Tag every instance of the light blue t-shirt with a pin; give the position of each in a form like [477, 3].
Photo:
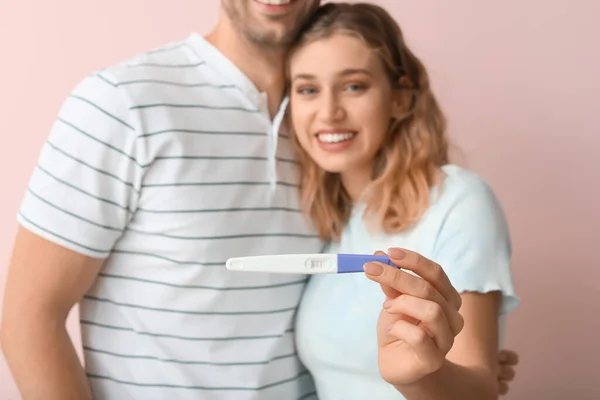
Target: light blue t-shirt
[464, 230]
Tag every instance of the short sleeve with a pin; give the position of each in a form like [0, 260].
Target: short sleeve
[474, 246]
[86, 183]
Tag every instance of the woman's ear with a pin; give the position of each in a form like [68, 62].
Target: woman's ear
[402, 98]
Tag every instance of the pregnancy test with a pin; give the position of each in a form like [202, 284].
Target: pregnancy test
[305, 263]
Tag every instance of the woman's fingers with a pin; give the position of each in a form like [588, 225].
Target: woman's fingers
[428, 270]
[431, 315]
[408, 284]
[422, 344]
[389, 292]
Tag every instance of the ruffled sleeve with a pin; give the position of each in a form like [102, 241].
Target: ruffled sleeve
[474, 248]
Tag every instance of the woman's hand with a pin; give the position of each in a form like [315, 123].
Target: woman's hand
[420, 319]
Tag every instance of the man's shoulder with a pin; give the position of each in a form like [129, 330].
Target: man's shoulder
[160, 75]
[175, 63]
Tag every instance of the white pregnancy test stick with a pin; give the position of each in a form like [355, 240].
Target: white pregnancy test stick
[305, 263]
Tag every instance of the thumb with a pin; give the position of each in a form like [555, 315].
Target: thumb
[390, 293]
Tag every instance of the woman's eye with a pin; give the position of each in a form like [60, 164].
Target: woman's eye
[354, 87]
[306, 91]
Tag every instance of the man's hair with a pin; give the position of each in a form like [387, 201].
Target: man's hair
[414, 148]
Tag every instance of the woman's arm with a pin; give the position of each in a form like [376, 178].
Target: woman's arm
[427, 348]
[470, 369]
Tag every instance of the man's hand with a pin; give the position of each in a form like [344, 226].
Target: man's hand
[507, 360]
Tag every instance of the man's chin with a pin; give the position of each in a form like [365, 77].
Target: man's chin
[273, 38]
[289, 23]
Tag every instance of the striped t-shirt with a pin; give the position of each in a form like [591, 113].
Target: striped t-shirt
[167, 165]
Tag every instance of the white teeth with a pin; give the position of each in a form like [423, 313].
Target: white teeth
[334, 137]
[275, 2]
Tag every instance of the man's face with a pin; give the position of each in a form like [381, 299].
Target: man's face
[269, 23]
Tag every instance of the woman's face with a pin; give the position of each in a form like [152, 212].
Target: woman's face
[341, 103]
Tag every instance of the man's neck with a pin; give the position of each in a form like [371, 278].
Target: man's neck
[263, 66]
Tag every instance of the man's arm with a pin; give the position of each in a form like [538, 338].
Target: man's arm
[44, 282]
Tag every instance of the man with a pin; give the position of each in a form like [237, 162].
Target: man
[156, 171]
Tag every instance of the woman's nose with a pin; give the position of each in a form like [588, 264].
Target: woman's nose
[331, 108]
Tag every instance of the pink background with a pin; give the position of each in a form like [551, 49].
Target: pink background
[518, 79]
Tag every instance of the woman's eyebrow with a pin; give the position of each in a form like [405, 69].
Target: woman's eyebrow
[303, 76]
[345, 72]
[352, 71]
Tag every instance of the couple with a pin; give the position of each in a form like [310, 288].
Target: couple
[159, 169]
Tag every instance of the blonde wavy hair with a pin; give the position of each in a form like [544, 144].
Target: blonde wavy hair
[413, 151]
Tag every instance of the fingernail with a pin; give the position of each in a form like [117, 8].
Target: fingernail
[373, 269]
[396, 253]
[387, 304]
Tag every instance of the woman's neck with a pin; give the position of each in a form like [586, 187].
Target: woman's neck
[355, 182]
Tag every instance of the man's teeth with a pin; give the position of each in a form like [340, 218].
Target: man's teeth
[275, 2]
[334, 137]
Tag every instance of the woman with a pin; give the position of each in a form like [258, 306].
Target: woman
[375, 174]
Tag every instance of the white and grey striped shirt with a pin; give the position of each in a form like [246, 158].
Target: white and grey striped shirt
[167, 165]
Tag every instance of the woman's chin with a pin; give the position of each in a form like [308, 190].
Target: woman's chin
[332, 168]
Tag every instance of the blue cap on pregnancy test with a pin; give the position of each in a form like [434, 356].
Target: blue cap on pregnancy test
[305, 263]
[355, 262]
